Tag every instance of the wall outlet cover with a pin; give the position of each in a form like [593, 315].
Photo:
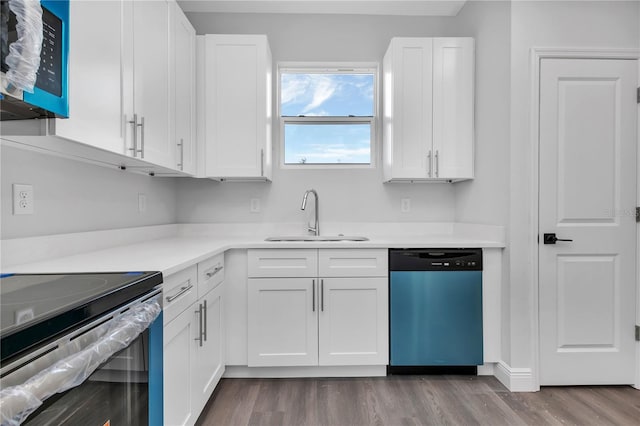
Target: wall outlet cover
[255, 205]
[22, 199]
[142, 203]
[405, 205]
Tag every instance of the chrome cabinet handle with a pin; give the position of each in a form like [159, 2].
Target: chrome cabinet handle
[262, 162]
[183, 290]
[134, 128]
[141, 125]
[215, 271]
[200, 315]
[437, 164]
[322, 295]
[313, 295]
[429, 161]
[204, 308]
[181, 163]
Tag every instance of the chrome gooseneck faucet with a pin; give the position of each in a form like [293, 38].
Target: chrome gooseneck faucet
[315, 229]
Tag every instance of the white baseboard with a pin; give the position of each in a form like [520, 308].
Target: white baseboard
[242, 371]
[487, 369]
[515, 379]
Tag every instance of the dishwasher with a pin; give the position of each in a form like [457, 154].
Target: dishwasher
[435, 311]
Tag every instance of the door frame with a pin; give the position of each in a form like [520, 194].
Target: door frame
[536, 56]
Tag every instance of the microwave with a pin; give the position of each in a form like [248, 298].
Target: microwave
[50, 93]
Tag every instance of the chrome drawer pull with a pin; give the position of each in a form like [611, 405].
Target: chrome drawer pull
[215, 271]
[182, 291]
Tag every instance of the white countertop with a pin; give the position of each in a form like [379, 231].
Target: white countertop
[170, 254]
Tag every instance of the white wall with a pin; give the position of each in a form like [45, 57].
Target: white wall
[73, 197]
[346, 195]
[546, 24]
[486, 198]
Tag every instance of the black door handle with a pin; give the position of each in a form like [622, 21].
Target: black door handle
[551, 239]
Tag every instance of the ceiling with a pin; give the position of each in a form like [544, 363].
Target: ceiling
[349, 7]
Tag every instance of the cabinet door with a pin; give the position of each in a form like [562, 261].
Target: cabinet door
[184, 77]
[453, 130]
[179, 369]
[238, 106]
[210, 365]
[283, 322]
[96, 116]
[152, 99]
[354, 324]
[408, 108]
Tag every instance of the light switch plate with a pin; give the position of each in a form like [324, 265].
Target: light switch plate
[22, 199]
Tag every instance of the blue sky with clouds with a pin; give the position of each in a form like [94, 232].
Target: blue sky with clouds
[336, 95]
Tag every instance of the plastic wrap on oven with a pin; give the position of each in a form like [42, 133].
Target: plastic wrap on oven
[18, 402]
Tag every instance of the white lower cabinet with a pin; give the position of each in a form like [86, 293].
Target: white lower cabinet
[193, 339]
[209, 353]
[180, 369]
[327, 320]
[353, 321]
[283, 322]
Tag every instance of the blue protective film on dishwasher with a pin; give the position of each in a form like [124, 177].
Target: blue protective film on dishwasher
[436, 318]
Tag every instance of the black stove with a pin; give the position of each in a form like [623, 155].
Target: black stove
[36, 308]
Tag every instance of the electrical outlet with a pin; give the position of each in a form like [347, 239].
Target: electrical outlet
[22, 199]
[255, 205]
[405, 205]
[142, 203]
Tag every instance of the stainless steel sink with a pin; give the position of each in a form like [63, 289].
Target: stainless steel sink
[317, 238]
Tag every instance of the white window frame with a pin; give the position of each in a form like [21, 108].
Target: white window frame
[333, 68]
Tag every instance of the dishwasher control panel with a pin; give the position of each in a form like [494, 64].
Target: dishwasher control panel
[458, 259]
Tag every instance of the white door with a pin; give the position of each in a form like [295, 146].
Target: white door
[152, 88]
[184, 77]
[95, 94]
[587, 195]
[283, 322]
[409, 108]
[354, 323]
[211, 353]
[453, 74]
[237, 86]
[179, 369]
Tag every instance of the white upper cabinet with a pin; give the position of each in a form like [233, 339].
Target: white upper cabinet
[184, 90]
[235, 128]
[148, 106]
[428, 98]
[453, 87]
[95, 88]
[121, 76]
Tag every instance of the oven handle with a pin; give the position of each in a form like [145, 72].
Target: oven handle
[18, 402]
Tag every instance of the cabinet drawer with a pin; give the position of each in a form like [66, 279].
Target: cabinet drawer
[282, 263]
[353, 263]
[210, 274]
[179, 291]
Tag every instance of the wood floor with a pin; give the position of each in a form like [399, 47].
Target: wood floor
[415, 400]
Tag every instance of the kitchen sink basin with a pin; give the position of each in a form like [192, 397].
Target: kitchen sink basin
[317, 238]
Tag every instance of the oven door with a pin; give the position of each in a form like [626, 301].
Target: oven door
[106, 373]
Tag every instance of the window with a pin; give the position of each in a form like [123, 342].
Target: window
[327, 115]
